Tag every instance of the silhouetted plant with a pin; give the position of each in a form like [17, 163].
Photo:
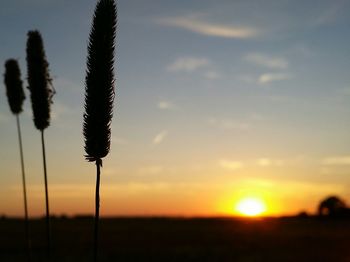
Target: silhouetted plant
[41, 92]
[99, 93]
[13, 83]
[332, 206]
[15, 97]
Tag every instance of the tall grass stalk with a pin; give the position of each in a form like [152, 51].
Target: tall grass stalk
[41, 92]
[15, 96]
[47, 209]
[99, 93]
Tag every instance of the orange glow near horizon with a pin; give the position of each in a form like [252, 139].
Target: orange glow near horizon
[251, 207]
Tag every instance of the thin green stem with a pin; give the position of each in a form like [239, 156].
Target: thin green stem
[26, 221]
[48, 229]
[97, 207]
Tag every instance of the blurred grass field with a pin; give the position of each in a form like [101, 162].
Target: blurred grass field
[182, 239]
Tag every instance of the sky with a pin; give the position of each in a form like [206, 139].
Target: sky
[216, 101]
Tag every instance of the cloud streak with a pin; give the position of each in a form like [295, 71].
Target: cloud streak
[150, 170]
[198, 26]
[267, 162]
[212, 75]
[337, 160]
[159, 138]
[230, 165]
[272, 77]
[119, 140]
[166, 105]
[263, 60]
[188, 64]
[228, 124]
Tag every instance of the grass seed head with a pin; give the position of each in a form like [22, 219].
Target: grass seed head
[14, 87]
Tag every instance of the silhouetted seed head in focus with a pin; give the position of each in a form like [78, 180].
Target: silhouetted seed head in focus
[13, 84]
[99, 82]
[39, 81]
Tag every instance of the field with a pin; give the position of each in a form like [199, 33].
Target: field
[181, 239]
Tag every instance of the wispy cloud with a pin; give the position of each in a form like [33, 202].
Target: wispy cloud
[246, 78]
[188, 64]
[263, 79]
[272, 77]
[111, 171]
[264, 162]
[212, 75]
[119, 140]
[230, 165]
[70, 191]
[337, 160]
[264, 60]
[166, 105]
[62, 83]
[328, 15]
[267, 162]
[228, 124]
[196, 25]
[150, 170]
[60, 110]
[159, 138]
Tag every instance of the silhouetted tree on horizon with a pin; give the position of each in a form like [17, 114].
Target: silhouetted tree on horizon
[332, 206]
[15, 97]
[99, 93]
[41, 92]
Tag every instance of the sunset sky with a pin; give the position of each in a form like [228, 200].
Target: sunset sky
[216, 101]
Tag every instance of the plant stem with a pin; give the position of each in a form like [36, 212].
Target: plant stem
[26, 221]
[97, 207]
[48, 235]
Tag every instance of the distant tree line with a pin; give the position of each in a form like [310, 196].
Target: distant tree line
[333, 206]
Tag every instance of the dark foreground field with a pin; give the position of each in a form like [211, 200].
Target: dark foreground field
[161, 239]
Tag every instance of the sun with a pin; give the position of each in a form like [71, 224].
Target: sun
[251, 206]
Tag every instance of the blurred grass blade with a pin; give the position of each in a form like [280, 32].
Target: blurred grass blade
[41, 92]
[15, 97]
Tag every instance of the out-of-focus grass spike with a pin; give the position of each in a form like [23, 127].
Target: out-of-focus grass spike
[39, 81]
[15, 97]
[41, 93]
